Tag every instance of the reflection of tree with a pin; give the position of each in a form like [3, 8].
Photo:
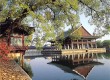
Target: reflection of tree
[26, 67]
[106, 55]
[28, 70]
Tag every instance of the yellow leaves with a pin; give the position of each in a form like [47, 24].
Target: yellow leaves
[73, 4]
[48, 15]
[32, 13]
[40, 18]
[24, 6]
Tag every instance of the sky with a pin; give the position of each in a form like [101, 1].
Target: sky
[90, 28]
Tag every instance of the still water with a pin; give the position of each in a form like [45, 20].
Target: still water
[43, 69]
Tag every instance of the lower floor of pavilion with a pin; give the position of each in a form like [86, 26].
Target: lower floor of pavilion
[79, 44]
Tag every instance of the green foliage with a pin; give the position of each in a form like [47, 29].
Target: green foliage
[27, 69]
[58, 45]
[106, 56]
[106, 43]
[28, 39]
[99, 44]
[55, 14]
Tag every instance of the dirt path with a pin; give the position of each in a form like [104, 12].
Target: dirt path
[10, 70]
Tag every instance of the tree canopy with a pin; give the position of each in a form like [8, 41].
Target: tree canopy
[50, 16]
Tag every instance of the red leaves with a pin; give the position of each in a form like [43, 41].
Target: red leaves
[4, 50]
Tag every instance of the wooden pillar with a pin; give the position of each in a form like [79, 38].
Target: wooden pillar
[78, 58]
[82, 43]
[77, 45]
[91, 44]
[87, 44]
[68, 46]
[73, 59]
[23, 40]
[83, 57]
[21, 59]
[92, 56]
[71, 44]
[88, 57]
[95, 44]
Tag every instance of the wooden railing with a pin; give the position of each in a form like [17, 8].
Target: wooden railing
[15, 48]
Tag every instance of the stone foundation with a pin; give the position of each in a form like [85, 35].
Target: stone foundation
[10, 70]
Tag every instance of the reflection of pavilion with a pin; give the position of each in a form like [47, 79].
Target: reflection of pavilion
[81, 70]
[77, 63]
[76, 58]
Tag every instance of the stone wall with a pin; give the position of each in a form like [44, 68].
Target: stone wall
[10, 70]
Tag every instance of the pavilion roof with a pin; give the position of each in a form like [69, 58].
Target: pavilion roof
[80, 31]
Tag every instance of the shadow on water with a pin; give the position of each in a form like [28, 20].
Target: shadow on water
[28, 70]
[29, 57]
[26, 67]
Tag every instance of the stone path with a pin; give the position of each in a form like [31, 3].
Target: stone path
[10, 70]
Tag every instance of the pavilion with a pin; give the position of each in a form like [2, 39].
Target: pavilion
[14, 37]
[79, 38]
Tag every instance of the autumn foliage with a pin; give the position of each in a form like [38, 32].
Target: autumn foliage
[4, 50]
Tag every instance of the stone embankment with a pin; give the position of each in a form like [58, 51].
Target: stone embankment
[10, 70]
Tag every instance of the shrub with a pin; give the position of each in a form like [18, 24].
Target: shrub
[4, 50]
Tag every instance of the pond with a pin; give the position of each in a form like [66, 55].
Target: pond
[44, 69]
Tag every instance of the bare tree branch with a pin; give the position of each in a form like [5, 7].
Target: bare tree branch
[89, 7]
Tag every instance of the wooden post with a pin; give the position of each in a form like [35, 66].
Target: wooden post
[78, 58]
[22, 60]
[83, 57]
[77, 45]
[92, 56]
[87, 44]
[73, 59]
[71, 44]
[82, 43]
[68, 46]
[95, 44]
[88, 57]
[23, 40]
[91, 44]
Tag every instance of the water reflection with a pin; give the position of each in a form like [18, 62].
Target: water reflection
[47, 69]
[80, 66]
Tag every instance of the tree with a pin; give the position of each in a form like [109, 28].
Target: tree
[4, 50]
[54, 13]
[99, 44]
[106, 44]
